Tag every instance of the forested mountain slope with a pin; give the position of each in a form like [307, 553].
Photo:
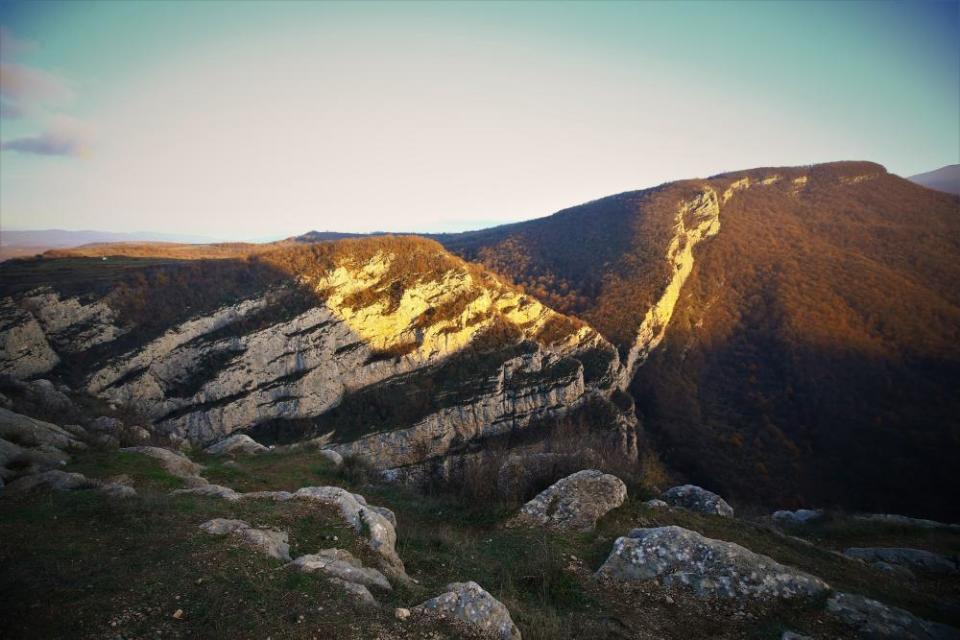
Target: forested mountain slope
[812, 354]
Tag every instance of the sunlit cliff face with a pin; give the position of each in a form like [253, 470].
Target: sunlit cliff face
[435, 317]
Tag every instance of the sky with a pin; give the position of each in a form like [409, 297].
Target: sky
[249, 120]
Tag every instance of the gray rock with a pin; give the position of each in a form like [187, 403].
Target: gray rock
[360, 593]
[270, 542]
[28, 432]
[656, 503]
[56, 480]
[697, 499]
[904, 521]
[339, 563]
[24, 350]
[574, 503]
[469, 602]
[793, 635]
[106, 424]
[210, 490]
[175, 463]
[238, 443]
[44, 393]
[379, 530]
[912, 559]
[711, 568]
[138, 434]
[800, 516]
[331, 456]
[278, 496]
[876, 621]
[894, 571]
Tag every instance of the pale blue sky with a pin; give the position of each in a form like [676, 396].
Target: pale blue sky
[252, 119]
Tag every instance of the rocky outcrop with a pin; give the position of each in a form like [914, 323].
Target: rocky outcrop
[876, 621]
[175, 463]
[574, 503]
[912, 559]
[697, 499]
[29, 446]
[236, 444]
[24, 350]
[340, 563]
[270, 542]
[370, 523]
[471, 603]
[63, 481]
[800, 516]
[710, 568]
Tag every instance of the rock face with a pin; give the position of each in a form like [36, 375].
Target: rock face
[876, 621]
[711, 568]
[237, 443]
[696, 499]
[912, 559]
[469, 602]
[574, 503]
[372, 323]
[268, 541]
[29, 446]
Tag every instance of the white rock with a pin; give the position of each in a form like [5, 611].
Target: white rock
[471, 603]
[175, 463]
[339, 563]
[237, 443]
[574, 503]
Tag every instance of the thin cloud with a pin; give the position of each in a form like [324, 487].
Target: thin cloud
[10, 45]
[9, 111]
[26, 86]
[65, 137]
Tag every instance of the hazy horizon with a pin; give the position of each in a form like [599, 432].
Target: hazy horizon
[259, 120]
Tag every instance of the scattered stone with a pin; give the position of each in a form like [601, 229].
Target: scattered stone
[339, 563]
[679, 557]
[469, 602]
[104, 424]
[238, 443]
[800, 516]
[137, 434]
[656, 503]
[175, 463]
[46, 395]
[56, 480]
[793, 635]
[178, 614]
[911, 559]
[877, 621]
[401, 613]
[697, 499]
[331, 456]
[574, 503]
[279, 496]
[271, 542]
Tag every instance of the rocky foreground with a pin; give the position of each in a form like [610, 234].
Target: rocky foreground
[107, 534]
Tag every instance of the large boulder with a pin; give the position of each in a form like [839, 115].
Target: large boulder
[270, 542]
[913, 559]
[471, 603]
[711, 568]
[877, 621]
[574, 503]
[340, 563]
[238, 443]
[695, 498]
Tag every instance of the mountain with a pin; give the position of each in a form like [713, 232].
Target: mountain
[788, 336]
[389, 348]
[945, 179]
[22, 243]
[792, 333]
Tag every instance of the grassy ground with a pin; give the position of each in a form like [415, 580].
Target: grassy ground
[82, 565]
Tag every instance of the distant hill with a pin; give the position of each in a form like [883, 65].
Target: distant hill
[945, 179]
[20, 243]
[809, 355]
